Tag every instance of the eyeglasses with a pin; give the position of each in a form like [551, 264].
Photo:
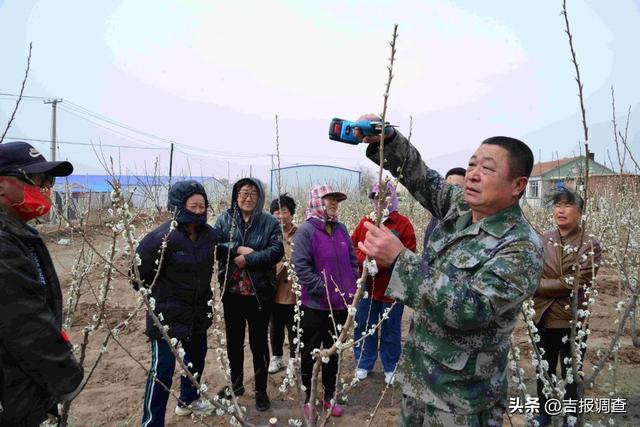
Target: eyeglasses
[37, 179]
[247, 194]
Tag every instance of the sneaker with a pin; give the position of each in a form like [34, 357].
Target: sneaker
[361, 373]
[275, 364]
[336, 410]
[543, 420]
[225, 392]
[262, 401]
[389, 378]
[197, 407]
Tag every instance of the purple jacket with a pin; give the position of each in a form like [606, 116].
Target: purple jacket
[318, 255]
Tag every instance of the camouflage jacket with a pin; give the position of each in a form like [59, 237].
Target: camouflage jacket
[466, 292]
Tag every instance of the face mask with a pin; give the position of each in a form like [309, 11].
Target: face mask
[184, 216]
[35, 204]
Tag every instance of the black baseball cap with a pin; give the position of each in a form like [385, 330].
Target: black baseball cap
[20, 157]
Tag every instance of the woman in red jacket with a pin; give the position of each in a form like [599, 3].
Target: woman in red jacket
[376, 305]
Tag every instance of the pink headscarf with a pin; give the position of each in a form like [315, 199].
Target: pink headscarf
[316, 207]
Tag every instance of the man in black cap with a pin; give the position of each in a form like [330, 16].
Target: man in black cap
[38, 369]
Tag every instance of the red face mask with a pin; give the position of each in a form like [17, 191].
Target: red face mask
[35, 203]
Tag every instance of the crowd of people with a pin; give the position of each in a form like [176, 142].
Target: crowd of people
[481, 260]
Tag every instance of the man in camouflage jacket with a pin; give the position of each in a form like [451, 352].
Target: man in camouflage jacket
[482, 261]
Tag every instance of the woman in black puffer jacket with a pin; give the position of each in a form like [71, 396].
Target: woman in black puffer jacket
[181, 294]
[250, 248]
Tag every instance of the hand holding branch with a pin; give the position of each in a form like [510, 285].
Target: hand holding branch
[240, 261]
[244, 250]
[374, 139]
[381, 244]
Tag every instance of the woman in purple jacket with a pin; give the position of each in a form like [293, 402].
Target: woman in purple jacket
[327, 269]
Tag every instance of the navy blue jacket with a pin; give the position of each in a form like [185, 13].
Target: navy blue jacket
[183, 287]
[262, 234]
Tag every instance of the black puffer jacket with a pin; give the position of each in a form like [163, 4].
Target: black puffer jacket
[262, 234]
[37, 366]
[182, 290]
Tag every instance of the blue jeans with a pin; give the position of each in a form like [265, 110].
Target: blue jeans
[390, 332]
[163, 365]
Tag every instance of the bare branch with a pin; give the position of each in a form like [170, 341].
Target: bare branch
[575, 349]
[615, 131]
[24, 82]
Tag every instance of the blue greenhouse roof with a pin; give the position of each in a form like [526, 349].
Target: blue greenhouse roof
[100, 183]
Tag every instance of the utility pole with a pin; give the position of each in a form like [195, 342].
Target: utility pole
[54, 104]
[170, 164]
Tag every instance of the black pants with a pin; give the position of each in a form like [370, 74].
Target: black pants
[555, 351]
[281, 319]
[239, 311]
[317, 328]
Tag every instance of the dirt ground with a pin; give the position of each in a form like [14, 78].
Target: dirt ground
[114, 395]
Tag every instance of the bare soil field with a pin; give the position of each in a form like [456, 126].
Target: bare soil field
[114, 395]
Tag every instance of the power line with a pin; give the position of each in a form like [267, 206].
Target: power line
[82, 143]
[124, 135]
[114, 122]
[4, 98]
[68, 110]
[77, 110]
[38, 98]
[83, 110]
[223, 156]
[206, 153]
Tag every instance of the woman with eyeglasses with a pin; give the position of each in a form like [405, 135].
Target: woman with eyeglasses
[250, 248]
[37, 366]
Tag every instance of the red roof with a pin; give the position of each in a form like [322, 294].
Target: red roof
[541, 168]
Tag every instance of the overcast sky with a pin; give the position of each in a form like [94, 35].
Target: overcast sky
[212, 75]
